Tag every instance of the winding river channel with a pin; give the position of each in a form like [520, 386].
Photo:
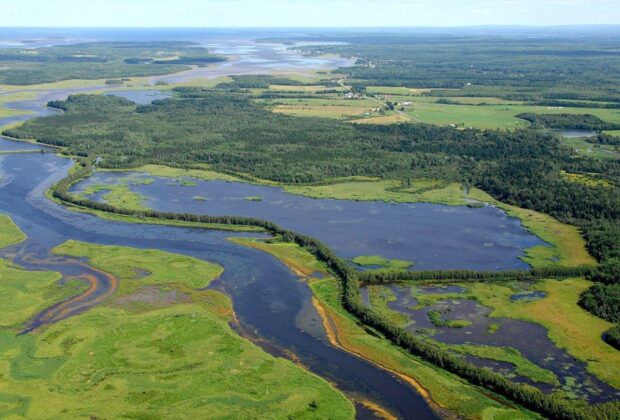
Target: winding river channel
[272, 305]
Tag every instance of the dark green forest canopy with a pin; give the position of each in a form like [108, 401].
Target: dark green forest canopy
[99, 60]
[568, 67]
[232, 133]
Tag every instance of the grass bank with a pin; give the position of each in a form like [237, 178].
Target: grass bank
[158, 347]
[445, 391]
[25, 293]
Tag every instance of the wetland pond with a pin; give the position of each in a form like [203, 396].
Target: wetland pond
[431, 236]
[574, 133]
[477, 328]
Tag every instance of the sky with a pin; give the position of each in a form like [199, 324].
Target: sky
[309, 13]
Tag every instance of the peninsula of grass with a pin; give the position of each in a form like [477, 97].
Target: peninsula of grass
[119, 195]
[164, 268]
[523, 366]
[25, 293]
[174, 354]
[10, 234]
[300, 261]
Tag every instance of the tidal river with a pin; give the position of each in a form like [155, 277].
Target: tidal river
[269, 300]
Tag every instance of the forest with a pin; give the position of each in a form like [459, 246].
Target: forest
[564, 66]
[232, 133]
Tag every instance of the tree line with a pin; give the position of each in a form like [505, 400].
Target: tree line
[526, 395]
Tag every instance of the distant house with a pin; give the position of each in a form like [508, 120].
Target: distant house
[407, 103]
[351, 95]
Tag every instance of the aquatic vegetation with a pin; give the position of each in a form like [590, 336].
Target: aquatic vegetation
[570, 327]
[438, 320]
[185, 182]
[381, 262]
[523, 366]
[493, 328]
[253, 198]
[379, 298]
[116, 194]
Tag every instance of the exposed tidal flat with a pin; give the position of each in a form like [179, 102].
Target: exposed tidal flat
[429, 236]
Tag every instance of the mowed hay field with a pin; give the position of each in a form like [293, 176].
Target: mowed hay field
[483, 112]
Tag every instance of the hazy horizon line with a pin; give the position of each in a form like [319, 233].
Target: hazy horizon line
[576, 25]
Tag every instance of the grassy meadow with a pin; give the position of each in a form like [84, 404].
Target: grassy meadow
[160, 347]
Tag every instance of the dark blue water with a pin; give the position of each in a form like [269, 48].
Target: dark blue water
[532, 340]
[8, 145]
[533, 295]
[268, 299]
[432, 236]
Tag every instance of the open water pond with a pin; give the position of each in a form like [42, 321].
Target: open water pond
[530, 339]
[141, 97]
[574, 134]
[431, 236]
